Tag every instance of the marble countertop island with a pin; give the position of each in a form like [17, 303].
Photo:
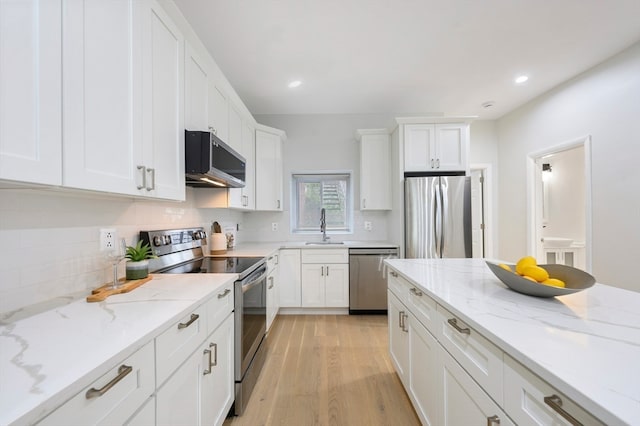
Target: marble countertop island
[587, 344]
[47, 357]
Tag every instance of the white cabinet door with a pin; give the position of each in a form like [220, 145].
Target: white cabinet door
[235, 130]
[336, 285]
[451, 147]
[418, 146]
[398, 337]
[268, 171]
[219, 113]
[424, 387]
[102, 99]
[196, 86]
[273, 303]
[464, 402]
[375, 171]
[313, 286]
[289, 278]
[145, 416]
[244, 198]
[163, 99]
[218, 384]
[31, 89]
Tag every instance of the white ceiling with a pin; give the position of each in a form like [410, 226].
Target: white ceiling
[406, 56]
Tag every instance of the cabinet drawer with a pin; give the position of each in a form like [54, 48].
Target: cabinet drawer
[524, 399]
[219, 306]
[178, 341]
[272, 261]
[423, 308]
[398, 286]
[112, 398]
[325, 256]
[479, 357]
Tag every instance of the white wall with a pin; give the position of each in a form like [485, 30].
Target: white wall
[320, 143]
[49, 239]
[603, 102]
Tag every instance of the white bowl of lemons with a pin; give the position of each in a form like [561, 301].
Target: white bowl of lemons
[527, 277]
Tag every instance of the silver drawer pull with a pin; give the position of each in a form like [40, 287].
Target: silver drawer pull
[493, 420]
[394, 274]
[182, 325]
[416, 291]
[215, 355]
[226, 291]
[123, 370]
[454, 323]
[555, 402]
[144, 177]
[208, 369]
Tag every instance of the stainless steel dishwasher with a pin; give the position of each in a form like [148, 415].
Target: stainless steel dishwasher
[368, 279]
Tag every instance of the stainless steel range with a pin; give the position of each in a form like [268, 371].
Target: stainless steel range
[180, 251]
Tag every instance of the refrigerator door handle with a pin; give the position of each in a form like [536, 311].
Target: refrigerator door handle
[436, 190]
[443, 215]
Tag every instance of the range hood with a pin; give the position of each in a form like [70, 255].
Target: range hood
[209, 162]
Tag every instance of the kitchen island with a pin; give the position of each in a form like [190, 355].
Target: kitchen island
[585, 345]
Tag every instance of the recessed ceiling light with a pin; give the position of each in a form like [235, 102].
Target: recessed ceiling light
[521, 79]
[294, 84]
[488, 104]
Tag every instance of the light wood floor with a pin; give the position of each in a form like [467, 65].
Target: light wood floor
[328, 370]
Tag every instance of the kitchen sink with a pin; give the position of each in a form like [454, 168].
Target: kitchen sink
[324, 243]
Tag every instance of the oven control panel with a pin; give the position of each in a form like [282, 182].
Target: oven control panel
[168, 241]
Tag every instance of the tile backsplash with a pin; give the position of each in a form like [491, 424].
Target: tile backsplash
[49, 239]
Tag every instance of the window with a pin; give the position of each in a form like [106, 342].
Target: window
[313, 192]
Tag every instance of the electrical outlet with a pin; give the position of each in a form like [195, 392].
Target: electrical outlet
[274, 226]
[107, 239]
[367, 226]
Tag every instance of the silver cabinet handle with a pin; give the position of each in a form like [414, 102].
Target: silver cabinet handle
[416, 292]
[193, 319]
[215, 355]
[322, 271]
[153, 179]
[277, 259]
[208, 369]
[223, 294]
[454, 323]
[394, 274]
[493, 420]
[123, 370]
[404, 323]
[270, 286]
[144, 177]
[401, 319]
[364, 203]
[278, 204]
[327, 270]
[432, 164]
[214, 131]
[438, 163]
[555, 402]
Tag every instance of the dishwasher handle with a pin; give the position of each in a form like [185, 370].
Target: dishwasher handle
[374, 251]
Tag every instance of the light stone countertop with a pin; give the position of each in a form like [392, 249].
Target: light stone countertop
[586, 345]
[266, 249]
[48, 357]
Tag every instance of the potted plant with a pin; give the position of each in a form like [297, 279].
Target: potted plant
[138, 261]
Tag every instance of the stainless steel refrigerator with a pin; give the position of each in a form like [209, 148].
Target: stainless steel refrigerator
[437, 216]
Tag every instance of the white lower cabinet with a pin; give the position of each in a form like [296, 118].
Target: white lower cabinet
[464, 402]
[200, 391]
[114, 397]
[325, 278]
[289, 293]
[424, 352]
[146, 416]
[273, 284]
[530, 400]
[398, 337]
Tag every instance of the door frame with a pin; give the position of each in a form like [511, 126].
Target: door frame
[534, 196]
[487, 206]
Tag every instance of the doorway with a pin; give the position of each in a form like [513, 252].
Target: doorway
[559, 204]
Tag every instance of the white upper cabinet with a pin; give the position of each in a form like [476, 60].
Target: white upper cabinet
[30, 91]
[196, 86]
[436, 147]
[102, 99]
[375, 169]
[235, 131]
[163, 100]
[244, 198]
[219, 112]
[122, 101]
[268, 178]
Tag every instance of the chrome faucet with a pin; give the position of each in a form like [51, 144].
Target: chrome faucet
[323, 225]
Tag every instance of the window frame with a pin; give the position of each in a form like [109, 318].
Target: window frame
[294, 228]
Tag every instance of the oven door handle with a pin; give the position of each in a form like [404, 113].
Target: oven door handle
[247, 286]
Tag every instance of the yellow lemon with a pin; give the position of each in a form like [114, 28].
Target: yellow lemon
[554, 282]
[505, 267]
[529, 278]
[536, 272]
[524, 262]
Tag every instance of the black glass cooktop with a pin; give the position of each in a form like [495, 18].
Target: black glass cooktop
[220, 265]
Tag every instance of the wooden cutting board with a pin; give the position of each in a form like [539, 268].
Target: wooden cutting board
[104, 291]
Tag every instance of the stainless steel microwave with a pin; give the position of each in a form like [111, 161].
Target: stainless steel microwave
[209, 162]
